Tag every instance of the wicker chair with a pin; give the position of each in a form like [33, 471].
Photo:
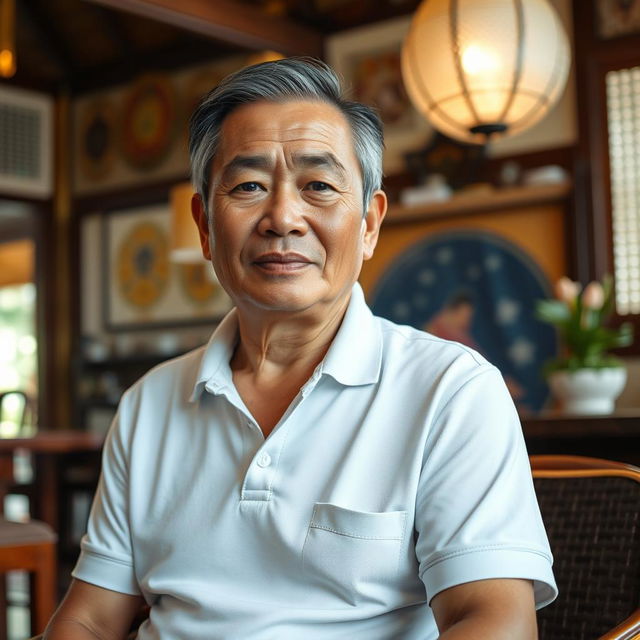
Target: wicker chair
[591, 509]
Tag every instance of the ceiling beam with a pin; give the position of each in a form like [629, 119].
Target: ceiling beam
[175, 56]
[232, 22]
[116, 32]
[45, 32]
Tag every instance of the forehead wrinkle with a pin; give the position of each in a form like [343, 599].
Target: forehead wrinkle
[247, 161]
[250, 133]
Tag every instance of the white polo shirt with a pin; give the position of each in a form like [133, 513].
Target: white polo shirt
[398, 471]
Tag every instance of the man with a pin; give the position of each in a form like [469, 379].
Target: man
[313, 472]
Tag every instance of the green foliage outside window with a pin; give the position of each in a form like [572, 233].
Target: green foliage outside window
[18, 352]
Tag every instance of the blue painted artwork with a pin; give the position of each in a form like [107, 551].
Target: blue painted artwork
[479, 289]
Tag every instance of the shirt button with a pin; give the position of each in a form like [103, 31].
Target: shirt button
[264, 460]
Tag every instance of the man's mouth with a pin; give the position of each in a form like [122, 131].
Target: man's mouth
[282, 262]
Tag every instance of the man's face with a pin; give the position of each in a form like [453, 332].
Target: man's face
[287, 222]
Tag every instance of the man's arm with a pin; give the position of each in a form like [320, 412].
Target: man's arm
[500, 609]
[89, 613]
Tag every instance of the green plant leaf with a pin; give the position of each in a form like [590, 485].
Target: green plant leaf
[553, 311]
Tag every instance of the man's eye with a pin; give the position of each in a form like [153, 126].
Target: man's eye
[316, 185]
[248, 187]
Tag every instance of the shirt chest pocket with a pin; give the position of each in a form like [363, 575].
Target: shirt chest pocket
[353, 553]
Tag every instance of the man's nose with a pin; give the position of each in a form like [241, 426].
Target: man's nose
[284, 213]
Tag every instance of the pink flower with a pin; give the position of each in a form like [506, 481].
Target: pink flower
[567, 290]
[593, 296]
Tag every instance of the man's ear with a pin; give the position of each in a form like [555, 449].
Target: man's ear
[199, 214]
[376, 211]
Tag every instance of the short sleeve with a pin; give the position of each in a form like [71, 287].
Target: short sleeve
[106, 558]
[477, 516]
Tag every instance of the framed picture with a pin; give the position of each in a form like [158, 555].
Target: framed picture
[617, 17]
[142, 287]
[475, 279]
[368, 60]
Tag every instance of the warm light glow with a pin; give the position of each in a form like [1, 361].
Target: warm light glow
[477, 59]
[484, 68]
[7, 63]
[17, 261]
[185, 239]
[7, 38]
[264, 56]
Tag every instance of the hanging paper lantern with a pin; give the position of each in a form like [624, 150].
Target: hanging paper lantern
[480, 68]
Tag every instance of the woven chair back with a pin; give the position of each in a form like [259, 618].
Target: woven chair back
[592, 517]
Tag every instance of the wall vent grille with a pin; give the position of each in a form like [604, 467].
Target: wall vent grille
[25, 143]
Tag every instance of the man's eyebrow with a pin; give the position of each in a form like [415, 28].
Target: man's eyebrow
[319, 160]
[265, 163]
[247, 162]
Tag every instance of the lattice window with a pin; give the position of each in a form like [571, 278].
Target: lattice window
[623, 112]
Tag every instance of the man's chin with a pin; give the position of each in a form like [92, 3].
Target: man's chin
[286, 305]
[285, 300]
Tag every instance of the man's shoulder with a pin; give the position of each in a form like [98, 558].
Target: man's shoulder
[414, 359]
[402, 341]
[167, 377]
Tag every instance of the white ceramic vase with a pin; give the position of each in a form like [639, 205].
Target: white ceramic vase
[588, 391]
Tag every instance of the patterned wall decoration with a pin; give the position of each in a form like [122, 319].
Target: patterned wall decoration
[480, 290]
[97, 139]
[137, 133]
[148, 121]
[474, 278]
[142, 288]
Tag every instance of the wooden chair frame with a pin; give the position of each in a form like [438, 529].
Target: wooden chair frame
[560, 466]
[39, 559]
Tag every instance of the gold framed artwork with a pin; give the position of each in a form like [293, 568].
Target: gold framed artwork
[142, 288]
[368, 60]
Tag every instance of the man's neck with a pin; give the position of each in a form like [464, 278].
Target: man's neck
[272, 346]
[275, 356]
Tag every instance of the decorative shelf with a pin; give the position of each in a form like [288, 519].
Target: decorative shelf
[494, 200]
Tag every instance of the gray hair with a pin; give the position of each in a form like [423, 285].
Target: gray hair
[281, 80]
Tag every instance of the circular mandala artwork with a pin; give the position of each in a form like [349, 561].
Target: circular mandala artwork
[197, 284]
[148, 122]
[97, 132]
[478, 289]
[143, 265]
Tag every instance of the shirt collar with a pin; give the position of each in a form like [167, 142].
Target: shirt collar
[214, 371]
[354, 357]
